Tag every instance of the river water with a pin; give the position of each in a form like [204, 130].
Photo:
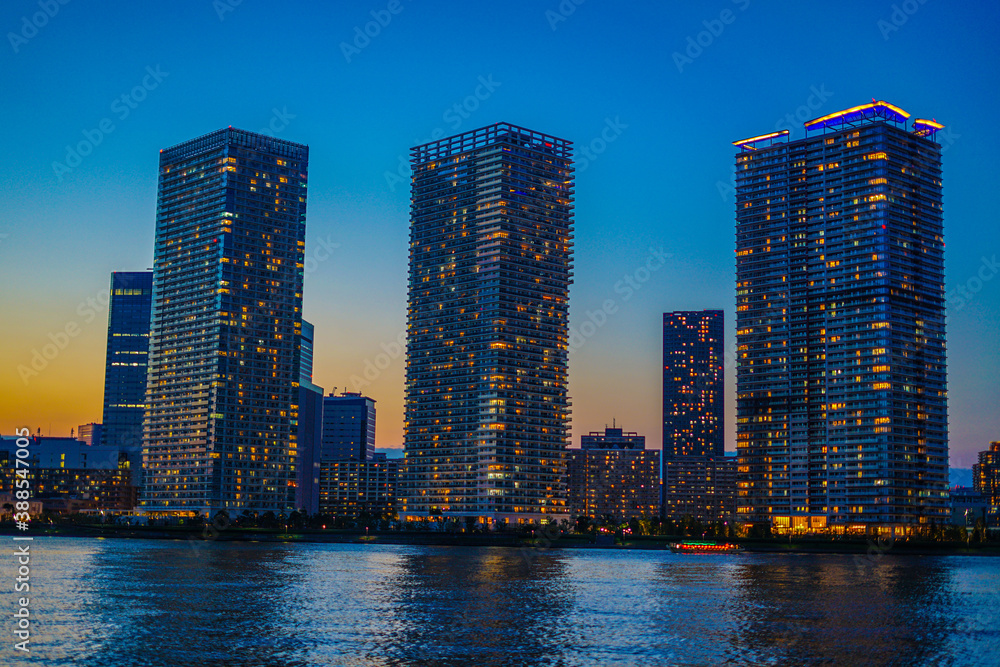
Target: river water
[110, 602]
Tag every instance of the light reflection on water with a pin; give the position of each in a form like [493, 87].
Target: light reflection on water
[158, 603]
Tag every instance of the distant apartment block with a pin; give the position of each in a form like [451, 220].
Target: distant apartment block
[700, 487]
[619, 480]
[699, 481]
[353, 487]
[693, 398]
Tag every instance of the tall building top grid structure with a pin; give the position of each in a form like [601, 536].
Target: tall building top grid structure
[613, 438]
[490, 136]
[232, 136]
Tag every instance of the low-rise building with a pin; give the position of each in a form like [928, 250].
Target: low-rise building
[699, 487]
[968, 506]
[618, 481]
[986, 480]
[61, 469]
[349, 487]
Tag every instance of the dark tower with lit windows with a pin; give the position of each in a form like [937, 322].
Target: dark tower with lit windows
[486, 413]
[126, 365]
[693, 383]
[220, 429]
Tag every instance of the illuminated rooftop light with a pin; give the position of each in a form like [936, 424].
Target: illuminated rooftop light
[880, 109]
[923, 127]
[745, 143]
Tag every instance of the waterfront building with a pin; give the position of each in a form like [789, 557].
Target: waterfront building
[617, 484]
[693, 398]
[352, 487]
[126, 365]
[699, 481]
[699, 487]
[67, 473]
[841, 392]
[348, 427]
[486, 408]
[220, 428]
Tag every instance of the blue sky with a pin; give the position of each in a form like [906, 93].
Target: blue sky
[670, 85]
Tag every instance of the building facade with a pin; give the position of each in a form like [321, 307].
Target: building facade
[61, 452]
[221, 420]
[310, 429]
[486, 406]
[969, 506]
[67, 474]
[615, 484]
[348, 427]
[90, 433]
[841, 396]
[693, 398]
[351, 488]
[700, 487]
[986, 480]
[699, 481]
[126, 365]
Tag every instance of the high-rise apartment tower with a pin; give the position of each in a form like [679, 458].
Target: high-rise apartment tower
[486, 413]
[841, 394]
[222, 416]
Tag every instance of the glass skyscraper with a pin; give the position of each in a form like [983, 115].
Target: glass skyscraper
[310, 431]
[841, 393]
[221, 421]
[306, 344]
[693, 343]
[348, 427]
[486, 410]
[125, 365]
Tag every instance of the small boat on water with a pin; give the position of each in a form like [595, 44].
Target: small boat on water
[705, 548]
